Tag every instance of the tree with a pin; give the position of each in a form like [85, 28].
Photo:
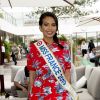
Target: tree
[71, 11]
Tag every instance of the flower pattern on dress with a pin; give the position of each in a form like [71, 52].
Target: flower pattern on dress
[31, 55]
[51, 81]
[37, 83]
[47, 90]
[41, 98]
[60, 60]
[67, 58]
[35, 63]
[47, 75]
[59, 98]
[39, 72]
[55, 49]
[59, 88]
[66, 46]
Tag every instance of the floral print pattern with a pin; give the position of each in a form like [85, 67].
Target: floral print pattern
[45, 86]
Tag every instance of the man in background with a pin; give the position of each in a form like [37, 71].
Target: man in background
[21, 79]
[94, 58]
[91, 45]
[2, 53]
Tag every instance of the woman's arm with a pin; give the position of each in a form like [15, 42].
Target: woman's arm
[31, 79]
[68, 75]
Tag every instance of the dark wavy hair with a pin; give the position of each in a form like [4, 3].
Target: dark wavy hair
[50, 14]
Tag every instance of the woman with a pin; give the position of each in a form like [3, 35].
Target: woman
[43, 84]
[84, 48]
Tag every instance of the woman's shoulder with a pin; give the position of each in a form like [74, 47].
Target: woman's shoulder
[32, 47]
[64, 42]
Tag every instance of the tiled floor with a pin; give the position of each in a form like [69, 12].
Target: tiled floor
[6, 71]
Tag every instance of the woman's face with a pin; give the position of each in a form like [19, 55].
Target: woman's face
[48, 27]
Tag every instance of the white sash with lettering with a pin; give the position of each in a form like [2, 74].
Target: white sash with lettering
[55, 67]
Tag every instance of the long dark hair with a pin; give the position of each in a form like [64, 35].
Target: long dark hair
[26, 71]
[50, 14]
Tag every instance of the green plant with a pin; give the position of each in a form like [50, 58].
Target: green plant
[79, 41]
[7, 47]
[19, 41]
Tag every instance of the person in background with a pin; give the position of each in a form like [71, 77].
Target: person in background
[21, 79]
[2, 53]
[19, 52]
[14, 54]
[94, 58]
[43, 85]
[91, 45]
[84, 48]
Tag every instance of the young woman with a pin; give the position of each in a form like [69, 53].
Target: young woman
[43, 84]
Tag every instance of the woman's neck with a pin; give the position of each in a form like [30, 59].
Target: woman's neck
[48, 40]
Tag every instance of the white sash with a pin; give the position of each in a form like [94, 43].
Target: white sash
[55, 67]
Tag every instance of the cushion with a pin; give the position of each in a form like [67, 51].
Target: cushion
[93, 83]
[80, 71]
[73, 75]
[85, 95]
[14, 70]
[88, 71]
[81, 82]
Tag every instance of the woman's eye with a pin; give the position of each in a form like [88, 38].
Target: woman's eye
[53, 24]
[45, 24]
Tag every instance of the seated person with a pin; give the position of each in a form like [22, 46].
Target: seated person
[93, 57]
[21, 79]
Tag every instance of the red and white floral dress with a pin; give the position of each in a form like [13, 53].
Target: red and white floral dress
[45, 86]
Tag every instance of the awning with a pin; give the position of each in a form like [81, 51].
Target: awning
[89, 20]
[35, 3]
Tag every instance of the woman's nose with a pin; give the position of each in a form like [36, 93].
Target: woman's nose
[50, 27]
